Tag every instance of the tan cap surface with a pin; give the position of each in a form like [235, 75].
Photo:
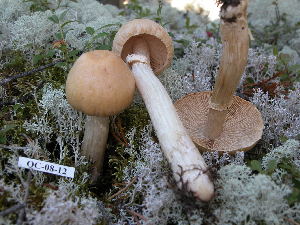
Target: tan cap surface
[242, 128]
[100, 84]
[159, 42]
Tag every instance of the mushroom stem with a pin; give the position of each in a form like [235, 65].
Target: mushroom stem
[94, 141]
[188, 166]
[235, 39]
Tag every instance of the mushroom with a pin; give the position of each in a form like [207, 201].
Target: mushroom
[100, 85]
[148, 48]
[218, 120]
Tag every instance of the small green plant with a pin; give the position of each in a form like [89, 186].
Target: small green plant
[290, 170]
[99, 40]
[135, 6]
[68, 55]
[43, 5]
[158, 17]
[96, 34]
[291, 73]
[39, 5]
[3, 132]
[190, 27]
[278, 32]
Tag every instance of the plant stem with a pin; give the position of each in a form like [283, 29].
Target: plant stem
[24, 74]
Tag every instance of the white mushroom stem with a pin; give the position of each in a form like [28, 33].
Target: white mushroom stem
[235, 39]
[188, 166]
[94, 141]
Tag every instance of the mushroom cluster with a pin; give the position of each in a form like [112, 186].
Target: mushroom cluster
[218, 120]
[100, 84]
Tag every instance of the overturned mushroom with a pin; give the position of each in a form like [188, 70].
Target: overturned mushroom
[218, 120]
[99, 84]
[145, 45]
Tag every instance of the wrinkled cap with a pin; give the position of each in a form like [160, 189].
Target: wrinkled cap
[242, 128]
[100, 84]
[158, 40]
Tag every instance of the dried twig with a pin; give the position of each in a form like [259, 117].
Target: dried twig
[123, 189]
[121, 130]
[24, 74]
[135, 214]
[22, 212]
[23, 98]
[259, 83]
[12, 209]
[7, 103]
[266, 85]
[118, 132]
[117, 138]
[292, 221]
[51, 186]
[135, 218]
[10, 147]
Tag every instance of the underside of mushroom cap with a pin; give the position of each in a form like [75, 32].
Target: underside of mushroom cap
[241, 131]
[157, 38]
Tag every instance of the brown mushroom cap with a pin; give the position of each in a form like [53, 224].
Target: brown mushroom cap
[159, 42]
[100, 84]
[242, 128]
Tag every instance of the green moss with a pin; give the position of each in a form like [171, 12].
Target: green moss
[15, 115]
[84, 188]
[5, 204]
[36, 197]
[56, 76]
[116, 159]
[17, 62]
[136, 116]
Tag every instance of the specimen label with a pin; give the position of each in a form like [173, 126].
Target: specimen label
[46, 167]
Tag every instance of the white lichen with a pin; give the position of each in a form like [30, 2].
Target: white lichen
[58, 119]
[26, 34]
[281, 114]
[160, 203]
[290, 151]
[246, 199]
[60, 209]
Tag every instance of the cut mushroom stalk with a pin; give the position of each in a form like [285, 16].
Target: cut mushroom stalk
[235, 39]
[188, 166]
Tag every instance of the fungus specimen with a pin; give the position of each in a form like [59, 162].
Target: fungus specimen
[99, 84]
[218, 120]
[147, 47]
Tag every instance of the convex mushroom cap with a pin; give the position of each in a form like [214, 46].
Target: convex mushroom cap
[242, 128]
[157, 38]
[100, 84]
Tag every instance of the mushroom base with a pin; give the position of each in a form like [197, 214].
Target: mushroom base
[242, 128]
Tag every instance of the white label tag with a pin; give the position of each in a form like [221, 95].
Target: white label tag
[46, 167]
